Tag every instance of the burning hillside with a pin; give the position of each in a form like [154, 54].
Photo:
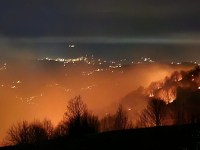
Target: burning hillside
[166, 89]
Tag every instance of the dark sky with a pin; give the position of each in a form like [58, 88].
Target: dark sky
[164, 30]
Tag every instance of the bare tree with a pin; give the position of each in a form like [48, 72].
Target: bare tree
[76, 108]
[37, 133]
[107, 123]
[18, 134]
[143, 121]
[26, 133]
[93, 122]
[49, 128]
[121, 119]
[78, 120]
[60, 130]
[154, 114]
[118, 121]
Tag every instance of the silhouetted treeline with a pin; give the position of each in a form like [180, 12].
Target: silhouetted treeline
[77, 121]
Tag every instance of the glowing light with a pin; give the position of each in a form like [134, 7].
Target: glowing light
[4, 67]
[129, 109]
[114, 67]
[179, 79]
[71, 46]
[199, 87]
[171, 100]
[18, 81]
[151, 95]
[88, 88]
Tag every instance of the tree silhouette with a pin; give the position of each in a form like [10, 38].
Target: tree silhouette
[60, 130]
[18, 134]
[121, 119]
[93, 122]
[107, 123]
[154, 114]
[29, 133]
[37, 133]
[78, 120]
[49, 128]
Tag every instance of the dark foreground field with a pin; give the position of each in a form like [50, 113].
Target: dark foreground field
[166, 137]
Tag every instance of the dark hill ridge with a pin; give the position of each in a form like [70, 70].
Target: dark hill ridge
[165, 137]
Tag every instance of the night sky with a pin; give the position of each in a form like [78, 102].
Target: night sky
[113, 29]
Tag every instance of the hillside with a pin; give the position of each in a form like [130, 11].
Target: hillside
[166, 137]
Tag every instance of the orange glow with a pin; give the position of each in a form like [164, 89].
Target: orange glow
[46, 87]
[171, 100]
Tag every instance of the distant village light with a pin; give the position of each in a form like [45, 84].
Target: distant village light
[71, 46]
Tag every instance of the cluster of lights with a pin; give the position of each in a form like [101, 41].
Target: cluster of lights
[57, 85]
[28, 100]
[99, 70]
[147, 59]
[88, 88]
[66, 60]
[87, 73]
[4, 67]
[91, 61]
[14, 87]
[116, 66]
